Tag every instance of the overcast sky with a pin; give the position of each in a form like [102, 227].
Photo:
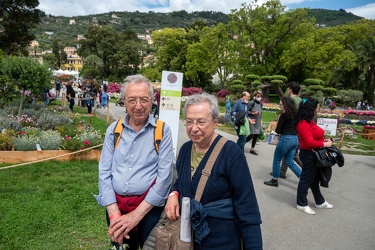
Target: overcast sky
[363, 8]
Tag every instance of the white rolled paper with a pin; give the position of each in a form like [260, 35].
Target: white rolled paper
[185, 230]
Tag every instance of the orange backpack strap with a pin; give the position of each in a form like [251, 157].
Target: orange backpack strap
[158, 134]
[117, 132]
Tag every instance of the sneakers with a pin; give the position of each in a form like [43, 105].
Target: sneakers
[253, 152]
[306, 209]
[324, 205]
[281, 176]
[272, 182]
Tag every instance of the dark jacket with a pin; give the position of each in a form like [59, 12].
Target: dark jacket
[230, 178]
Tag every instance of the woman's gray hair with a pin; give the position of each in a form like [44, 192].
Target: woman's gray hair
[136, 79]
[202, 98]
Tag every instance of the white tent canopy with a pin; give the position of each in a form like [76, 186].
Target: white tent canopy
[66, 72]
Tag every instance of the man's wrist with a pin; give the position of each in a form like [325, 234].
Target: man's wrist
[174, 193]
[115, 216]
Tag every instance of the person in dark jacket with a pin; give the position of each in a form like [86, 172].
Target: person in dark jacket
[70, 94]
[230, 179]
[241, 105]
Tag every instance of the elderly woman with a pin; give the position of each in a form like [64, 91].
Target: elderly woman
[310, 136]
[255, 114]
[230, 179]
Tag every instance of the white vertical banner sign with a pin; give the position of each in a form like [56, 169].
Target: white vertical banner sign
[170, 102]
[328, 125]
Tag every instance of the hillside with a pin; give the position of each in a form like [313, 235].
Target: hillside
[144, 23]
[332, 17]
[141, 23]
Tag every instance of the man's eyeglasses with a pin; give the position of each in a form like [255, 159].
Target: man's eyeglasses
[142, 101]
[199, 123]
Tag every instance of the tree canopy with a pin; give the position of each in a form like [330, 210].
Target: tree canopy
[17, 20]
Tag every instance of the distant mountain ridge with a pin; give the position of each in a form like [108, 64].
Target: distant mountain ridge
[67, 28]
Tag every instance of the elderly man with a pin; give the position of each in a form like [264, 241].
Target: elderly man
[135, 177]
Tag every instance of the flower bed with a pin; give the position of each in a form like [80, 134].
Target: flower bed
[14, 157]
[360, 115]
[51, 128]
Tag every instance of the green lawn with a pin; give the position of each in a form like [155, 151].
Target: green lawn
[50, 205]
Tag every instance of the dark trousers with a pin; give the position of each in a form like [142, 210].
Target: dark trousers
[71, 104]
[284, 166]
[138, 238]
[254, 139]
[309, 178]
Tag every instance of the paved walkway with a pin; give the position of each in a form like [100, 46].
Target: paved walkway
[349, 225]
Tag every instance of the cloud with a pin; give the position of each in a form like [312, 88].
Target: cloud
[366, 11]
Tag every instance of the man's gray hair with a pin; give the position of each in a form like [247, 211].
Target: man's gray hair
[202, 98]
[136, 79]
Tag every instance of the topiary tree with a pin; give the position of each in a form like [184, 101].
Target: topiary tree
[349, 96]
[275, 83]
[236, 86]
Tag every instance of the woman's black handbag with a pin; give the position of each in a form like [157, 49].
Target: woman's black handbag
[327, 157]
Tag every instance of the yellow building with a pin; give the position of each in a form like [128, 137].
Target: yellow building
[73, 62]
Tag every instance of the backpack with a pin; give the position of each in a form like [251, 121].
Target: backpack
[240, 118]
[158, 133]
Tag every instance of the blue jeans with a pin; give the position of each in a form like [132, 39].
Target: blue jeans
[285, 148]
[241, 140]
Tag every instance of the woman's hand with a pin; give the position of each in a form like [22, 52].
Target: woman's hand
[328, 143]
[172, 208]
[252, 121]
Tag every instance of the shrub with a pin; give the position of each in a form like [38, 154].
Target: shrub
[67, 130]
[50, 140]
[28, 131]
[191, 91]
[222, 93]
[6, 141]
[87, 139]
[49, 120]
[114, 88]
[26, 143]
[332, 105]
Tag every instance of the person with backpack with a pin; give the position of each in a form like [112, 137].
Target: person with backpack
[239, 111]
[255, 116]
[135, 177]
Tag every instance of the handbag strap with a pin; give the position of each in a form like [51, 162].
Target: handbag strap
[207, 169]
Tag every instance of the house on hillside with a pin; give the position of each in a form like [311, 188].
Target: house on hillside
[70, 50]
[73, 63]
[80, 37]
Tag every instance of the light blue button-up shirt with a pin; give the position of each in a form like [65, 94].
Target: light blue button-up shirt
[134, 165]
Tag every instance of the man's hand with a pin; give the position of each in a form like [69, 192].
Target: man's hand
[121, 226]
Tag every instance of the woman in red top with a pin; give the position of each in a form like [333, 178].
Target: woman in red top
[310, 136]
